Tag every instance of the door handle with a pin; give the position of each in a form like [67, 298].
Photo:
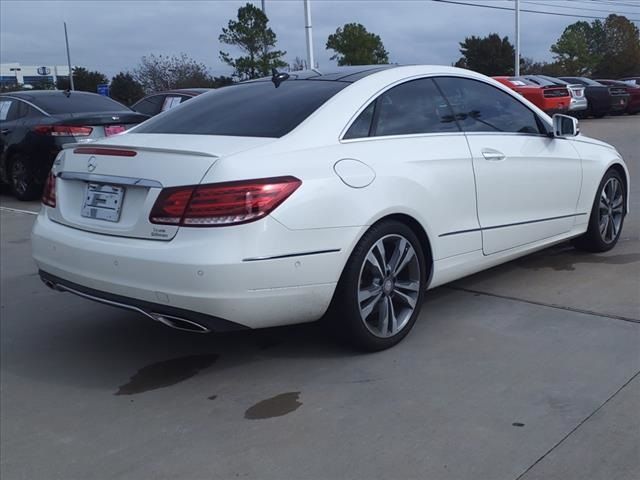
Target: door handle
[492, 155]
[5, 131]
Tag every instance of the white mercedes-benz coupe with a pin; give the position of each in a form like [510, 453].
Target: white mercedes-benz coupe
[348, 192]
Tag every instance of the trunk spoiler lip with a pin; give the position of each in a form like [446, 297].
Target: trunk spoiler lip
[196, 153]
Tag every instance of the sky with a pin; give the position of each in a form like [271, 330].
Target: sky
[112, 36]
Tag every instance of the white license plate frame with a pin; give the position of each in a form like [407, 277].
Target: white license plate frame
[103, 201]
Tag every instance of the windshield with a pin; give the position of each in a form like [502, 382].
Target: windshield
[252, 109]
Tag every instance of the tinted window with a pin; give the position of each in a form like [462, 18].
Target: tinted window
[254, 109]
[362, 126]
[5, 107]
[173, 101]
[413, 107]
[59, 102]
[480, 107]
[149, 105]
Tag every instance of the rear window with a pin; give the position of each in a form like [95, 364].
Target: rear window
[77, 103]
[253, 109]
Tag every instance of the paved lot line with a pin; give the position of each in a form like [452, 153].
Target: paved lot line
[17, 210]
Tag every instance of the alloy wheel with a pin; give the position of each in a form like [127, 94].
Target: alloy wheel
[611, 210]
[388, 285]
[19, 176]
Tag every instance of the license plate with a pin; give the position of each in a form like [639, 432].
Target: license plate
[103, 202]
[113, 129]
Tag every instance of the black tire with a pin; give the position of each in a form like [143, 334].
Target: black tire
[22, 178]
[594, 240]
[345, 312]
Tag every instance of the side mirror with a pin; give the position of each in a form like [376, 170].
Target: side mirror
[565, 126]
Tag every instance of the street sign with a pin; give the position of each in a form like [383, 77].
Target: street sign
[103, 89]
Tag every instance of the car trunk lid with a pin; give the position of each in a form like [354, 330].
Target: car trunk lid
[109, 187]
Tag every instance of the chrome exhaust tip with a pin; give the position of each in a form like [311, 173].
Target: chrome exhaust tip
[179, 323]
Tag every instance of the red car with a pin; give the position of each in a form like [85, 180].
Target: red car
[633, 106]
[551, 99]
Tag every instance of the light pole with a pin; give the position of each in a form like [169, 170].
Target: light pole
[517, 65]
[262, 5]
[308, 31]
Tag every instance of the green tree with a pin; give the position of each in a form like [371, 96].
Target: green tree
[125, 89]
[354, 45]
[83, 80]
[576, 51]
[619, 48]
[490, 55]
[251, 34]
[222, 81]
[156, 73]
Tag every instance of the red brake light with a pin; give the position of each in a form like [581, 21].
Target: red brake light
[221, 204]
[49, 192]
[114, 152]
[62, 130]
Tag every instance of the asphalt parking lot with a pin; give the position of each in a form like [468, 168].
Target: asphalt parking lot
[527, 371]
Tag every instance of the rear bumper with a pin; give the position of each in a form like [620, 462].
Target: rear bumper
[255, 275]
[578, 104]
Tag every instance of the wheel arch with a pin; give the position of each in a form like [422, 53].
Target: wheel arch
[621, 169]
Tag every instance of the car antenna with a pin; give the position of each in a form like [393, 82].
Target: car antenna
[278, 77]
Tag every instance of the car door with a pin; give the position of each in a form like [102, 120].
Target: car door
[12, 112]
[409, 132]
[527, 183]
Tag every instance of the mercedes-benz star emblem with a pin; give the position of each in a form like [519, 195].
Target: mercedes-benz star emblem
[92, 164]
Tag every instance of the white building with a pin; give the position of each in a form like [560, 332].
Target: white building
[15, 73]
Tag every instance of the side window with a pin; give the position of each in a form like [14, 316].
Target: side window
[5, 105]
[171, 101]
[362, 125]
[23, 110]
[149, 105]
[412, 107]
[480, 107]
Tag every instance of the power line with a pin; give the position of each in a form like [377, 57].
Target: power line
[453, 2]
[612, 3]
[572, 8]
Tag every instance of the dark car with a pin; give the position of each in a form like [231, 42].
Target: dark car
[159, 102]
[633, 106]
[602, 99]
[35, 124]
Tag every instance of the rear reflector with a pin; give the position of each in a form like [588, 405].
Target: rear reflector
[221, 204]
[62, 130]
[49, 192]
[114, 152]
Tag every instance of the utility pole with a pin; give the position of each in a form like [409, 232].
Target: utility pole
[517, 66]
[66, 39]
[308, 31]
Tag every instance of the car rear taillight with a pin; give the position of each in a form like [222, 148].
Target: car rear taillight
[555, 92]
[221, 204]
[49, 192]
[62, 130]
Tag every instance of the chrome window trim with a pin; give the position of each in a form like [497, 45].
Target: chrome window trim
[435, 76]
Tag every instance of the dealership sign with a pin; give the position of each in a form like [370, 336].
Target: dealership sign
[44, 70]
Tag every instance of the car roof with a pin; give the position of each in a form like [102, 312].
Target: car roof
[31, 95]
[349, 74]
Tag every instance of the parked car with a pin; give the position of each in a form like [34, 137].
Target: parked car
[351, 191]
[602, 99]
[633, 106]
[578, 103]
[159, 102]
[36, 124]
[549, 98]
